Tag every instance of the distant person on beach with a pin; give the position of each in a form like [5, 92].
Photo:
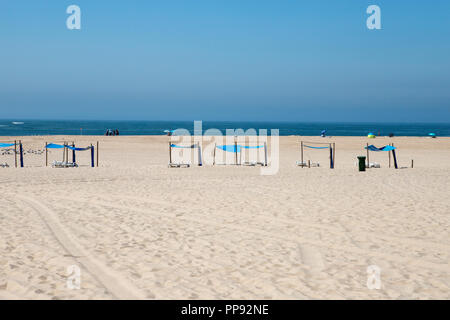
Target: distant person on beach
[110, 132]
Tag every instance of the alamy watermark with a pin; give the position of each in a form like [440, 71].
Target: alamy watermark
[73, 22]
[73, 277]
[373, 277]
[373, 22]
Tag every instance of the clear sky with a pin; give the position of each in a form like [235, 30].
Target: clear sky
[226, 60]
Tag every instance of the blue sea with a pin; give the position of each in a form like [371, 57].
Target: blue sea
[19, 127]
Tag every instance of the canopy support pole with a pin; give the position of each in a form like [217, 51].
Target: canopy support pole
[73, 153]
[97, 154]
[334, 154]
[240, 157]
[21, 153]
[368, 162]
[395, 158]
[265, 154]
[200, 163]
[389, 156]
[331, 157]
[15, 153]
[64, 152]
[170, 152]
[235, 152]
[92, 155]
[302, 154]
[46, 154]
[214, 154]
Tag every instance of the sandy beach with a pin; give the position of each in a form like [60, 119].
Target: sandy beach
[138, 229]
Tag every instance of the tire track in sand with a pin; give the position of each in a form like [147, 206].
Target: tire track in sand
[314, 260]
[115, 283]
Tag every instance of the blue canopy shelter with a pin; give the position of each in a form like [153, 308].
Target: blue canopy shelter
[389, 148]
[66, 147]
[191, 146]
[16, 144]
[239, 149]
[318, 146]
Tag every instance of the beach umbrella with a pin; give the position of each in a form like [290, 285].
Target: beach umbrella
[371, 135]
[433, 135]
[169, 132]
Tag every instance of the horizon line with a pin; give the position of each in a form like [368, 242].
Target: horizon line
[236, 121]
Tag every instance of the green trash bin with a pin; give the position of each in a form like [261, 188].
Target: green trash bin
[362, 163]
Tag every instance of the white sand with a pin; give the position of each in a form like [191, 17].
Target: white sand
[138, 229]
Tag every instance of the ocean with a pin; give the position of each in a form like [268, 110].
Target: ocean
[19, 127]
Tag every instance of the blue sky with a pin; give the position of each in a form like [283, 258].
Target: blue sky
[226, 60]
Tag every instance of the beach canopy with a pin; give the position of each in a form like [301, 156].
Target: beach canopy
[237, 148]
[6, 145]
[432, 134]
[60, 146]
[385, 148]
[54, 146]
[185, 147]
[371, 135]
[78, 149]
[316, 147]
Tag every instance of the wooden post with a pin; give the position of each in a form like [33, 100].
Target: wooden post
[46, 154]
[412, 163]
[302, 154]
[240, 157]
[170, 153]
[97, 154]
[200, 161]
[235, 150]
[265, 154]
[389, 157]
[214, 154]
[309, 163]
[15, 153]
[65, 152]
[367, 145]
